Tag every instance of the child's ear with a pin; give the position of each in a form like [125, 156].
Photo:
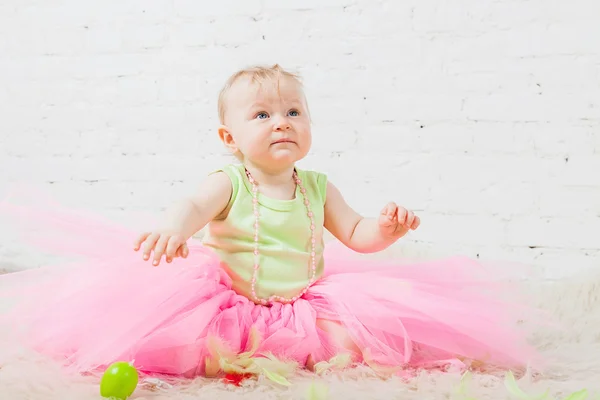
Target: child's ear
[227, 139]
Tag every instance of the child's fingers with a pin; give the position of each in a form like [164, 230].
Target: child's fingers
[149, 244]
[172, 248]
[410, 217]
[160, 248]
[185, 251]
[385, 221]
[389, 210]
[416, 223]
[139, 240]
[182, 251]
[402, 215]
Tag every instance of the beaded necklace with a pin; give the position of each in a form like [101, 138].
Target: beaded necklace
[313, 263]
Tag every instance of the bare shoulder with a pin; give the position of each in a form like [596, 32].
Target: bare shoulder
[340, 218]
[213, 193]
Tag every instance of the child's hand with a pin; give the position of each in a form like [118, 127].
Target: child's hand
[171, 245]
[396, 221]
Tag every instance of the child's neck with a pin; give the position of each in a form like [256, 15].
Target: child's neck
[276, 183]
[271, 177]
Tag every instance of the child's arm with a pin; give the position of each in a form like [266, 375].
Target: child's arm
[366, 235]
[186, 218]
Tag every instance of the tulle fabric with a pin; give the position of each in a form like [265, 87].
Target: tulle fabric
[108, 305]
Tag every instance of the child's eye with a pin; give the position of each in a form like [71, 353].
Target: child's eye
[293, 113]
[262, 115]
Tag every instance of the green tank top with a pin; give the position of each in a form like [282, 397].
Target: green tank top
[283, 236]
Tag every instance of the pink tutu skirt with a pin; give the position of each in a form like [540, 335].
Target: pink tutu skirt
[109, 305]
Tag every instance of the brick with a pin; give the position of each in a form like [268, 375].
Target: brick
[135, 167]
[401, 106]
[564, 140]
[155, 11]
[181, 89]
[21, 119]
[539, 107]
[504, 199]
[40, 168]
[559, 232]
[334, 138]
[33, 67]
[502, 15]
[560, 38]
[216, 31]
[51, 120]
[102, 39]
[49, 93]
[136, 90]
[548, 73]
[308, 5]
[579, 171]
[358, 22]
[539, 138]
[543, 39]
[98, 65]
[46, 41]
[564, 263]
[407, 179]
[68, 12]
[444, 137]
[194, 9]
[460, 229]
[482, 119]
[401, 140]
[463, 171]
[435, 17]
[98, 143]
[568, 201]
[144, 36]
[197, 33]
[483, 71]
[505, 138]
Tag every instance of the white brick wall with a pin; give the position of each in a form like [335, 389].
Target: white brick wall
[484, 115]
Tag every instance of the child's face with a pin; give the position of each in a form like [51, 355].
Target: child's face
[270, 127]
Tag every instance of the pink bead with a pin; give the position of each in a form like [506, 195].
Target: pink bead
[313, 240]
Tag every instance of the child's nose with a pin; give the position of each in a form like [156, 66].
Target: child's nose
[281, 124]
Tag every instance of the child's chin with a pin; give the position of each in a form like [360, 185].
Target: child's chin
[286, 157]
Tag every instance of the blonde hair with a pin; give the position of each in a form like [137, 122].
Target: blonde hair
[256, 75]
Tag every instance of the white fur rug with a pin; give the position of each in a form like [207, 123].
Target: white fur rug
[575, 347]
